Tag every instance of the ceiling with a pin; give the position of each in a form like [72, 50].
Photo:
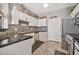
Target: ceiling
[38, 8]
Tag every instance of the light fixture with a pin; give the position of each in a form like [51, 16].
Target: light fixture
[45, 5]
[16, 29]
[15, 35]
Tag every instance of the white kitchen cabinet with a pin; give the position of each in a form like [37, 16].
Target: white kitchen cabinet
[15, 17]
[42, 22]
[29, 20]
[43, 36]
[22, 16]
[32, 34]
[5, 11]
[20, 48]
[39, 22]
[32, 21]
[5, 23]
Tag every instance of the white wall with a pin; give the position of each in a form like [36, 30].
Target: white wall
[54, 24]
[63, 13]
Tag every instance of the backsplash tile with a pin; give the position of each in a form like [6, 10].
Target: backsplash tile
[19, 28]
[27, 29]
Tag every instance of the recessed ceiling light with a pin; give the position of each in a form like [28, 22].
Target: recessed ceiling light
[45, 5]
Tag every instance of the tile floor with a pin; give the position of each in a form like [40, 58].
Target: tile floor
[48, 48]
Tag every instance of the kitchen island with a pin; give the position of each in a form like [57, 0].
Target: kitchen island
[16, 44]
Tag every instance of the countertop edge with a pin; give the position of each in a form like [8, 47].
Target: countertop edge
[1, 46]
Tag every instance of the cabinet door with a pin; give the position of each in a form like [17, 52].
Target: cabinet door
[39, 22]
[0, 21]
[32, 34]
[42, 22]
[32, 21]
[5, 22]
[43, 36]
[15, 17]
[20, 48]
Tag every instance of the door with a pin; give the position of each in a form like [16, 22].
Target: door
[55, 29]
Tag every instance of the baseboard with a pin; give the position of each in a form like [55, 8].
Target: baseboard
[54, 40]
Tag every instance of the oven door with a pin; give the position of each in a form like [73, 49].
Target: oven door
[69, 44]
[76, 48]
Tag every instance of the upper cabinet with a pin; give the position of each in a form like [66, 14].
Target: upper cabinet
[42, 22]
[76, 19]
[1, 20]
[22, 16]
[32, 21]
[18, 15]
[4, 16]
[15, 17]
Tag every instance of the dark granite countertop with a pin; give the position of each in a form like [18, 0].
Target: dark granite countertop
[74, 35]
[13, 39]
[3, 29]
[75, 38]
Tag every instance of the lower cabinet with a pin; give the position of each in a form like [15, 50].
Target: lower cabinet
[32, 34]
[32, 39]
[20, 48]
[43, 36]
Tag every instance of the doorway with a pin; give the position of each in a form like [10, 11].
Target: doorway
[55, 29]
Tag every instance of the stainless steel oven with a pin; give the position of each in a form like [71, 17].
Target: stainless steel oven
[76, 52]
[69, 44]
